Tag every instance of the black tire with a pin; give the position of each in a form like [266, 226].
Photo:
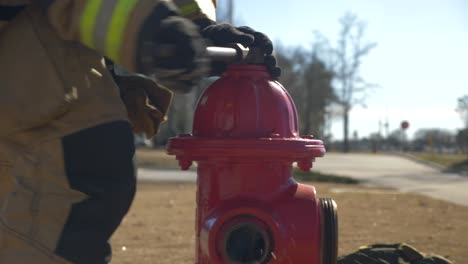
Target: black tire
[329, 216]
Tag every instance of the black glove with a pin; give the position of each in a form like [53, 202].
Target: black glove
[171, 48]
[223, 34]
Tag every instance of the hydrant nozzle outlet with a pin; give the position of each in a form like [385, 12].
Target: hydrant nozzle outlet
[245, 240]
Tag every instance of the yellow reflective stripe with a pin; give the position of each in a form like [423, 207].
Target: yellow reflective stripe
[88, 21]
[189, 9]
[117, 27]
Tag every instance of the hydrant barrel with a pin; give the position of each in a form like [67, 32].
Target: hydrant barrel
[245, 141]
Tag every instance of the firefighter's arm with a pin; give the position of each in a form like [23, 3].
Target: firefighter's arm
[145, 36]
[110, 26]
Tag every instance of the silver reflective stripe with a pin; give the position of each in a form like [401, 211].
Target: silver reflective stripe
[208, 8]
[197, 7]
[103, 21]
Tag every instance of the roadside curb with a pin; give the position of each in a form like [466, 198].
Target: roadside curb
[429, 163]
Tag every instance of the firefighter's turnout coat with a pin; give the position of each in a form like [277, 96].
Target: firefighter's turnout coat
[54, 82]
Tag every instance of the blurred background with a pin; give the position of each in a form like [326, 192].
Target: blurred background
[365, 75]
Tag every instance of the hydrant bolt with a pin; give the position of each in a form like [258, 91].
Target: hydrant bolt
[185, 164]
[305, 165]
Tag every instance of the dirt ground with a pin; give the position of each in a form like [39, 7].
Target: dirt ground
[160, 226]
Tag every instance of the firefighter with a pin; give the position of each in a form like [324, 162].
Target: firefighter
[66, 143]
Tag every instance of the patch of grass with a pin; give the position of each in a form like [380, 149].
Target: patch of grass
[441, 159]
[461, 166]
[155, 159]
[454, 162]
[316, 176]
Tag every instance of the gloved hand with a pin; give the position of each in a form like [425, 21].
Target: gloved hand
[223, 34]
[171, 48]
[146, 101]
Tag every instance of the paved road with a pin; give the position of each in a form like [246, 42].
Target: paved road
[376, 170]
[166, 175]
[397, 172]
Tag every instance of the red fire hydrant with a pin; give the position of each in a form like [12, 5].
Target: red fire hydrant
[249, 208]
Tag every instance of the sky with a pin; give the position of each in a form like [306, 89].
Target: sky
[421, 61]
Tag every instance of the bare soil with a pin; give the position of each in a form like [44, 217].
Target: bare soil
[160, 226]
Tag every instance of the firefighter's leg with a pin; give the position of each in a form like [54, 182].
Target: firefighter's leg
[35, 200]
[98, 162]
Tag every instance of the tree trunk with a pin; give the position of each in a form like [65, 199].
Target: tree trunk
[306, 124]
[345, 130]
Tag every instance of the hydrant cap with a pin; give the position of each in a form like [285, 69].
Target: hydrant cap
[246, 114]
[246, 103]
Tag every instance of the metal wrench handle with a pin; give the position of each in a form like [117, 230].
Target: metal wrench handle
[235, 53]
[231, 53]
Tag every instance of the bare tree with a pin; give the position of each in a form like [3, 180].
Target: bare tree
[308, 80]
[434, 139]
[351, 88]
[462, 135]
[462, 109]
[318, 95]
[462, 140]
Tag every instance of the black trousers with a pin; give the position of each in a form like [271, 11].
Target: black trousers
[99, 163]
